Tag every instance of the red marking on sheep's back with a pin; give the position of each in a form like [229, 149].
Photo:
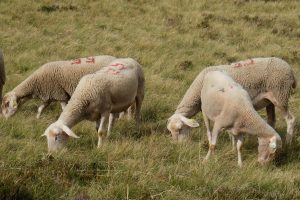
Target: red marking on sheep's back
[76, 61]
[246, 63]
[119, 66]
[90, 59]
[237, 65]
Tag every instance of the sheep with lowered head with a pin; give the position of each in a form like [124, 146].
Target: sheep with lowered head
[112, 89]
[269, 82]
[54, 81]
[229, 106]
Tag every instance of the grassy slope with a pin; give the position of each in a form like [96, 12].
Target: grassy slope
[173, 40]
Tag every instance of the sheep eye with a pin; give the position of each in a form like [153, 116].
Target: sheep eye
[56, 138]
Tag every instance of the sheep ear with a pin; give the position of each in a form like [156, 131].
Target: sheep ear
[190, 122]
[69, 132]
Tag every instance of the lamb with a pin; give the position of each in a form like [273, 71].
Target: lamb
[110, 90]
[2, 73]
[269, 82]
[54, 81]
[227, 104]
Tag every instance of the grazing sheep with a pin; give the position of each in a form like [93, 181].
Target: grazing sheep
[110, 90]
[54, 81]
[227, 104]
[269, 82]
[2, 73]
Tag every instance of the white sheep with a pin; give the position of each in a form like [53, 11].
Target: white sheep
[110, 90]
[54, 81]
[2, 73]
[269, 82]
[227, 104]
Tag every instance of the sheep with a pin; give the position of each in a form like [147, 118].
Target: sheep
[54, 81]
[2, 73]
[227, 104]
[110, 90]
[269, 82]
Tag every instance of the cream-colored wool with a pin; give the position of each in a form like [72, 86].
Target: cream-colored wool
[269, 82]
[2, 73]
[229, 106]
[112, 89]
[54, 81]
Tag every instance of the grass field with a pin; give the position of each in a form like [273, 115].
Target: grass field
[173, 40]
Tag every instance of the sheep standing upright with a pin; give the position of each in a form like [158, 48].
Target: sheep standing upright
[54, 81]
[2, 74]
[269, 82]
[112, 89]
[227, 104]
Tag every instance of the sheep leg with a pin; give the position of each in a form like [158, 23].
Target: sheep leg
[41, 108]
[233, 141]
[207, 125]
[214, 137]
[130, 111]
[63, 105]
[111, 121]
[239, 144]
[101, 130]
[271, 115]
[290, 121]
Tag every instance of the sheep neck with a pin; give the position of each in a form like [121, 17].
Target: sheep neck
[73, 113]
[26, 88]
[255, 125]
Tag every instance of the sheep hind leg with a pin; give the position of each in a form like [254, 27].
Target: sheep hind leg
[271, 115]
[41, 108]
[101, 130]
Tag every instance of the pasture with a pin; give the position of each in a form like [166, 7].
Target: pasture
[173, 40]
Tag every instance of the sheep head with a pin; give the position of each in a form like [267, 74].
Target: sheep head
[57, 136]
[9, 104]
[268, 148]
[179, 126]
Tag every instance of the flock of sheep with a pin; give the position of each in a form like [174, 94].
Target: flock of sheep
[99, 88]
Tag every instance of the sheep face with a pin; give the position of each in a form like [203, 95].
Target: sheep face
[57, 136]
[9, 105]
[267, 149]
[179, 126]
[56, 139]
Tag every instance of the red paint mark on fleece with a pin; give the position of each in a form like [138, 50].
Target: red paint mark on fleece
[119, 66]
[76, 61]
[246, 63]
[90, 59]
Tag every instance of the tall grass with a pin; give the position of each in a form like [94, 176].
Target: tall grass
[173, 40]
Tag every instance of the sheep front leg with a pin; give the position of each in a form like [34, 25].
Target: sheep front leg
[239, 144]
[207, 125]
[41, 108]
[213, 141]
[63, 105]
[101, 130]
[271, 115]
[111, 121]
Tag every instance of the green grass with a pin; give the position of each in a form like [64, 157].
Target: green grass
[173, 40]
